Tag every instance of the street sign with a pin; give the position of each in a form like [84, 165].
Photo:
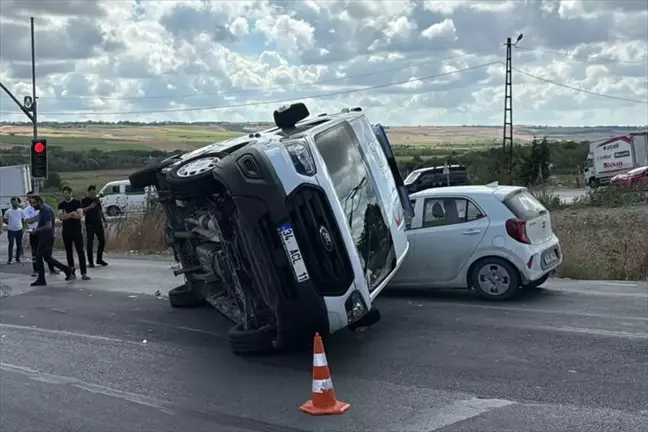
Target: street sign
[28, 102]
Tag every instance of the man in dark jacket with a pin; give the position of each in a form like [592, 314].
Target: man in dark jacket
[94, 222]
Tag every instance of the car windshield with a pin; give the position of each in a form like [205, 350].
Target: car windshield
[355, 190]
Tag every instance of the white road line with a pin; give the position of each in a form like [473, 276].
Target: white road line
[63, 333]
[591, 331]
[189, 329]
[547, 311]
[92, 388]
[436, 418]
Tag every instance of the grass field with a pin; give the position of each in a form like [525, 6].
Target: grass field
[79, 181]
[169, 137]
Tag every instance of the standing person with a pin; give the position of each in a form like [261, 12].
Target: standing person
[70, 213]
[15, 226]
[45, 231]
[31, 218]
[94, 220]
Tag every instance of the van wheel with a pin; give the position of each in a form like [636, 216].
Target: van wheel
[495, 279]
[184, 297]
[192, 178]
[113, 211]
[593, 183]
[252, 341]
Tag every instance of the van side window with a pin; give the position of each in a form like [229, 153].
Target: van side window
[111, 190]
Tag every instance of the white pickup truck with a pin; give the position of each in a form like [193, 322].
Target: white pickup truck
[613, 156]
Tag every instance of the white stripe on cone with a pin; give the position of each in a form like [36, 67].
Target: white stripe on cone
[320, 386]
[319, 360]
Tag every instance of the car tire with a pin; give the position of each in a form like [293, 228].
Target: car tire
[252, 341]
[147, 176]
[536, 283]
[193, 177]
[495, 279]
[184, 297]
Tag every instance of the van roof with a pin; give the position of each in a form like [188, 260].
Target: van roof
[118, 182]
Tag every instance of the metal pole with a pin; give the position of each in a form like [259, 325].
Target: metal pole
[508, 111]
[35, 181]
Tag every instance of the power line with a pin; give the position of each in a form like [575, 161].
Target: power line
[580, 58]
[267, 89]
[579, 89]
[276, 101]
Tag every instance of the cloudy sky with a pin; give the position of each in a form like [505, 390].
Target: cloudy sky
[423, 62]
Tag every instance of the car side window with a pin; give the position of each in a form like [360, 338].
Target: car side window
[472, 212]
[444, 211]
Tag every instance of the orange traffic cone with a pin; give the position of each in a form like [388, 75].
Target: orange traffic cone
[323, 402]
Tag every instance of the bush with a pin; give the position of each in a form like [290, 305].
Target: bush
[603, 243]
[141, 233]
[615, 197]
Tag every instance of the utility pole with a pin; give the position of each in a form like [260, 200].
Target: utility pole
[28, 106]
[508, 105]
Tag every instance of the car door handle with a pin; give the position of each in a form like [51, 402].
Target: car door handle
[471, 232]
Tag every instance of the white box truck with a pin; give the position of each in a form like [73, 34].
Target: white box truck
[612, 156]
[15, 181]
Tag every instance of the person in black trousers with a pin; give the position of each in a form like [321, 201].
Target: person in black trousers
[45, 231]
[70, 213]
[94, 219]
[32, 214]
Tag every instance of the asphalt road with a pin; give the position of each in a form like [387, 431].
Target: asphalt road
[110, 355]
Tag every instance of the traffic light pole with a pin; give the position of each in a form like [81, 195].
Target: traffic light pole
[33, 59]
[28, 107]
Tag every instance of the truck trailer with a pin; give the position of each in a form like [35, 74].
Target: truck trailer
[612, 156]
[15, 181]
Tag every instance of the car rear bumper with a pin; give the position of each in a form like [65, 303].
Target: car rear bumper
[537, 261]
[262, 207]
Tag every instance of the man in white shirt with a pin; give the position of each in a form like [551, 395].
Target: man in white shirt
[15, 225]
[31, 212]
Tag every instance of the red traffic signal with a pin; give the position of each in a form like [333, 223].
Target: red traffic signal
[39, 158]
[39, 147]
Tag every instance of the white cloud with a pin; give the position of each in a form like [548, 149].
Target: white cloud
[102, 56]
[443, 30]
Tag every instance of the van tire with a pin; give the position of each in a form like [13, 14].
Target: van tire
[593, 183]
[503, 268]
[185, 184]
[184, 297]
[113, 211]
[252, 341]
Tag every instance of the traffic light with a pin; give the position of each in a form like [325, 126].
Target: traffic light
[39, 158]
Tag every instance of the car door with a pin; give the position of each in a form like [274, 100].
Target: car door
[451, 229]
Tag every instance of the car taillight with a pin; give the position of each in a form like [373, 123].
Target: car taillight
[516, 228]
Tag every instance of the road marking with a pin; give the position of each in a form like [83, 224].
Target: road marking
[64, 333]
[591, 331]
[433, 419]
[190, 329]
[547, 311]
[89, 387]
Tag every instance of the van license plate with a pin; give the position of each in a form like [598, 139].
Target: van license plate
[294, 254]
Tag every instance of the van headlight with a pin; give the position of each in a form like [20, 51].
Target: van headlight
[301, 157]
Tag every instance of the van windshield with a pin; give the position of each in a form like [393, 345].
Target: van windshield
[355, 189]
